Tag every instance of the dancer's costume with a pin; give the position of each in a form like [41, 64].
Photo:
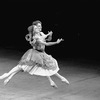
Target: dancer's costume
[36, 61]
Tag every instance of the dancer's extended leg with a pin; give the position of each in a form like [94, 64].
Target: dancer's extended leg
[16, 68]
[8, 79]
[63, 79]
[52, 83]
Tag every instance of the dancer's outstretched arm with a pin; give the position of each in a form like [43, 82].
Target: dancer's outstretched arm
[50, 43]
[45, 35]
[28, 37]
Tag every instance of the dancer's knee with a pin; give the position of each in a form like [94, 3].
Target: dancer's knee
[18, 67]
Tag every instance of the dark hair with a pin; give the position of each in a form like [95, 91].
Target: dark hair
[31, 30]
[36, 22]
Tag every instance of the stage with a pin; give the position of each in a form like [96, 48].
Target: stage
[84, 82]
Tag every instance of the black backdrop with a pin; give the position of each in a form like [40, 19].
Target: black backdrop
[77, 22]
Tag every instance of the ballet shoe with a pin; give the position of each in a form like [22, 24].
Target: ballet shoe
[54, 85]
[65, 81]
[6, 81]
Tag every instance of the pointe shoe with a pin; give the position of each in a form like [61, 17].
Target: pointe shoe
[6, 81]
[65, 81]
[54, 85]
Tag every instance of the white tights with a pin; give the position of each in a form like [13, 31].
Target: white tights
[17, 68]
[10, 74]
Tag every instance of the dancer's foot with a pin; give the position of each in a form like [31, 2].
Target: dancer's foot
[65, 81]
[6, 81]
[54, 85]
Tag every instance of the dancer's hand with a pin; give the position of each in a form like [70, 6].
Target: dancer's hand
[59, 40]
[50, 33]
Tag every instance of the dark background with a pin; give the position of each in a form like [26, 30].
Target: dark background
[78, 23]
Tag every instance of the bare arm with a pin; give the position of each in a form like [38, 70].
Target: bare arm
[50, 33]
[33, 41]
[28, 37]
[50, 43]
[45, 35]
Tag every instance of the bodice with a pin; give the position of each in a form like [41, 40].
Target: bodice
[38, 46]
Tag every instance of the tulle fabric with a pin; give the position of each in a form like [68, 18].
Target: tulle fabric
[38, 63]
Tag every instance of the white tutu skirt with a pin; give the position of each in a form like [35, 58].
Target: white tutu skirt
[38, 63]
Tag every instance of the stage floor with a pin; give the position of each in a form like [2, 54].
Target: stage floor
[84, 83]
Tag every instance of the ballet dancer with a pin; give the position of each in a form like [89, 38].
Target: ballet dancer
[36, 61]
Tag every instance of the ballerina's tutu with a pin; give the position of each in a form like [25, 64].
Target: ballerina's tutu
[38, 63]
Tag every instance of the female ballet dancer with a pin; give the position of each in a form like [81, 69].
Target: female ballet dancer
[36, 61]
